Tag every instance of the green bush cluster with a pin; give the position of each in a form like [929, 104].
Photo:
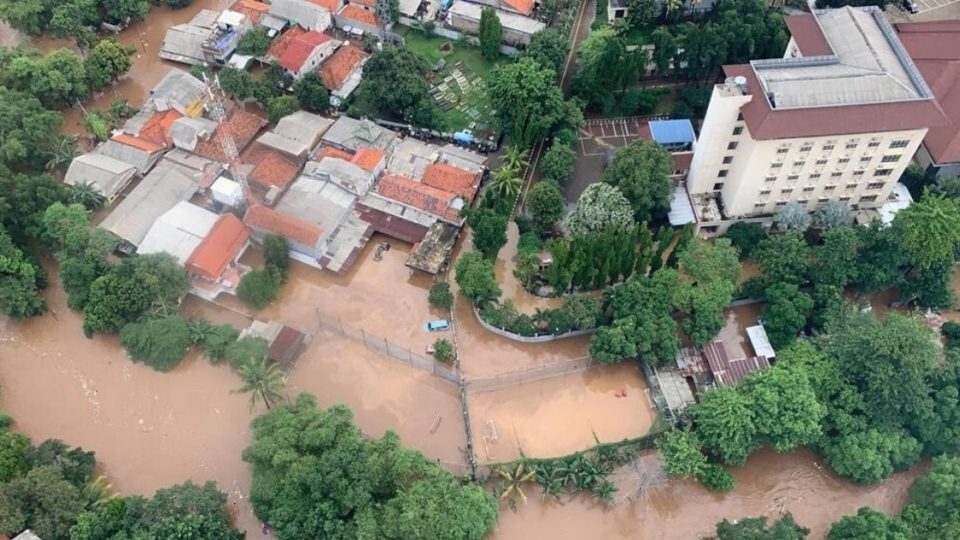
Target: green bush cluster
[578, 312]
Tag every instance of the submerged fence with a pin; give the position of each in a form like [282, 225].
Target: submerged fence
[383, 346]
[528, 375]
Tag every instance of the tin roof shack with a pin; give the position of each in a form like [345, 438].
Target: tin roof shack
[284, 344]
[297, 134]
[432, 254]
[107, 175]
[731, 372]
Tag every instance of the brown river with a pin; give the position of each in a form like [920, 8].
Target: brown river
[156, 429]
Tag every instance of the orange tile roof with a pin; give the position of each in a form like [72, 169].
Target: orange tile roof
[300, 48]
[418, 195]
[221, 246]
[521, 6]
[358, 14]
[270, 167]
[331, 152]
[367, 3]
[279, 45]
[368, 158]
[340, 65]
[157, 128]
[287, 226]
[136, 142]
[331, 5]
[251, 8]
[241, 124]
[452, 179]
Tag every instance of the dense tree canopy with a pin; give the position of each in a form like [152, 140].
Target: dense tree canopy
[395, 84]
[641, 171]
[160, 343]
[599, 206]
[527, 98]
[491, 34]
[929, 230]
[545, 203]
[475, 277]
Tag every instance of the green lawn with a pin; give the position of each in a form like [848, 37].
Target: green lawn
[473, 66]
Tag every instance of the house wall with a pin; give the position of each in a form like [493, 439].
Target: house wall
[755, 177]
[392, 226]
[472, 26]
[317, 57]
[925, 160]
[343, 21]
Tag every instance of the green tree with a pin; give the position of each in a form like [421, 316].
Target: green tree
[832, 214]
[276, 254]
[870, 456]
[215, 344]
[254, 43]
[600, 206]
[548, 47]
[88, 195]
[159, 343]
[311, 93]
[186, 511]
[705, 261]
[716, 478]
[41, 500]
[476, 279]
[835, 261]
[106, 62]
[236, 83]
[558, 163]
[491, 34]
[13, 455]
[785, 313]
[792, 216]
[545, 203]
[19, 294]
[681, 453]
[440, 509]
[704, 305]
[745, 236]
[613, 344]
[28, 126]
[246, 350]
[440, 295]
[642, 12]
[489, 229]
[279, 107]
[116, 11]
[264, 381]
[395, 84]
[786, 411]
[929, 230]
[443, 350]
[604, 65]
[933, 507]
[868, 523]
[527, 99]
[879, 258]
[756, 529]
[726, 425]
[783, 258]
[258, 288]
[641, 171]
[387, 11]
[664, 49]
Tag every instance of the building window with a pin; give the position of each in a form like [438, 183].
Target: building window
[875, 185]
[786, 191]
[827, 147]
[883, 172]
[822, 200]
[805, 148]
[799, 163]
[793, 177]
[718, 186]
[739, 116]
[771, 179]
[858, 173]
[874, 144]
[836, 175]
[722, 173]
[802, 201]
[782, 203]
[868, 198]
[732, 146]
[764, 192]
[899, 143]
[829, 188]
[851, 187]
[844, 199]
[709, 230]
[821, 162]
[808, 189]
[865, 159]
[890, 159]
[782, 150]
[843, 161]
[851, 146]
[814, 176]
[776, 165]
[738, 130]
[727, 159]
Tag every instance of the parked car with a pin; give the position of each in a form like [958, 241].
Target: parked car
[911, 6]
[437, 325]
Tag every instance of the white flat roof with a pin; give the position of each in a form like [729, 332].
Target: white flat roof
[178, 231]
[761, 344]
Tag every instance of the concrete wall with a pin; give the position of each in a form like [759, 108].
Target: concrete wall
[528, 339]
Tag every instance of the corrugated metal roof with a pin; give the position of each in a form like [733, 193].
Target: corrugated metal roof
[760, 342]
[178, 231]
[681, 210]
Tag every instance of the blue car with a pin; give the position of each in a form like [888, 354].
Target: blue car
[437, 326]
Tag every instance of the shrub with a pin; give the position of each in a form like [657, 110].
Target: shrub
[443, 350]
[440, 295]
[216, 342]
[281, 106]
[276, 253]
[558, 163]
[951, 331]
[245, 351]
[716, 478]
[254, 43]
[159, 343]
[259, 287]
[745, 236]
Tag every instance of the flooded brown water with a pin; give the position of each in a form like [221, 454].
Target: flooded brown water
[769, 484]
[734, 332]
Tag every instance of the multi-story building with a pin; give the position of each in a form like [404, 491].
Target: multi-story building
[837, 118]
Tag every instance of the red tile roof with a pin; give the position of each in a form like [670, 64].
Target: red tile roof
[429, 199]
[300, 49]
[331, 152]
[270, 166]
[287, 226]
[331, 5]
[935, 49]
[340, 65]
[221, 246]
[137, 142]
[251, 8]
[809, 36]
[367, 3]
[368, 159]
[157, 128]
[521, 6]
[765, 123]
[452, 179]
[279, 45]
[241, 124]
[358, 14]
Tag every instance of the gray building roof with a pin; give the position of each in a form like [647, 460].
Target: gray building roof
[342, 173]
[461, 157]
[178, 90]
[308, 15]
[187, 131]
[138, 157]
[184, 42]
[165, 186]
[350, 134]
[107, 174]
[317, 201]
[869, 65]
[178, 231]
[297, 134]
[510, 21]
[411, 156]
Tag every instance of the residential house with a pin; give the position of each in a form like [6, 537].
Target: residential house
[411, 157]
[517, 29]
[108, 175]
[351, 134]
[297, 134]
[343, 72]
[184, 42]
[178, 231]
[304, 239]
[332, 6]
[186, 132]
[284, 343]
[345, 174]
[230, 28]
[837, 119]
[140, 153]
[935, 49]
[371, 160]
[356, 16]
[253, 9]
[452, 179]
[306, 52]
[308, 15]
[520, 7]
[180, 91]
[270, 170]
[219, 250]
[240, 125]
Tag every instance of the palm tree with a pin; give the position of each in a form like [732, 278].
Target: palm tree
[264, 380]
[200, 330]
[511, 482]
[515, 158]
[541, 317]
[97, 492]
[671, 6]
[88, 195]
[506, 182]
[603, 491]
[550, 476]
[62, 151]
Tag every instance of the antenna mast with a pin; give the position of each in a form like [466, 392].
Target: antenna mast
[214, 101]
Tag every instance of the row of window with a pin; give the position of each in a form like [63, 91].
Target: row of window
[808, 189]
[821, 200]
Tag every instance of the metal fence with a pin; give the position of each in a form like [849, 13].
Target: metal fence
[383, 346]
[528, 375]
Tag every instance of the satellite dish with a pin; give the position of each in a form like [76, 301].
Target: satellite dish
[740, 80]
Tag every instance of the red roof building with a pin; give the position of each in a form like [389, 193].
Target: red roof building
[304, 52]
[369, 159]
[331, 5]
[418, 195]
[452, 179]
[222, 245]
[338, 68]
[157, 128]
[271, 168]
[265, 219]
[524, 7]
[243, 127]
[731, 372]
[331, 152]
[137, 142]
[251, 8]
[279, 45]
[358, 14]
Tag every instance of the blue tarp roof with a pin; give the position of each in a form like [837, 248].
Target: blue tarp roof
[672, 131]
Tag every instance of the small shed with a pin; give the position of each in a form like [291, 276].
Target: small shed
[673, 135]
[108, 175]
[731, 372]
[284, 344]
[432, 254]
[761, 344]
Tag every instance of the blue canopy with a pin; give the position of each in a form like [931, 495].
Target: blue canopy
[672, 131]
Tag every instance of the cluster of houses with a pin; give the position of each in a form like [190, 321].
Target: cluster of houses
[208, 188]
